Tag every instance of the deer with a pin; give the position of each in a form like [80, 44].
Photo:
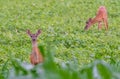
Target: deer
[35, 56]
[100, 17]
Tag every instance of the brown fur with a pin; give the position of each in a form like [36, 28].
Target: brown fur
[35, 56]
[100, 17]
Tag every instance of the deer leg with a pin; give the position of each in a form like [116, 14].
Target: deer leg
[105, 24]
[99, 25]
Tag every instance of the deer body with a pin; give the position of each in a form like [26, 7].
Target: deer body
[35, 56]
[100, 17]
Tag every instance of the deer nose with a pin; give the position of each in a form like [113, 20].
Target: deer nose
[33, 39]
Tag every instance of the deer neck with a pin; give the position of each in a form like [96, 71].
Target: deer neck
[93, 21]
[34, 44]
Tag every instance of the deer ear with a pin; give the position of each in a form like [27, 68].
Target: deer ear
[28, 32]
[38, 32]
[90, 19]
[86, 22]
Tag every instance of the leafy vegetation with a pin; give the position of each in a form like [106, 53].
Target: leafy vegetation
[49, 70]
[62, 23]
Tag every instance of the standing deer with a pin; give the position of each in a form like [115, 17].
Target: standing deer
[101, 16]
[35, 56]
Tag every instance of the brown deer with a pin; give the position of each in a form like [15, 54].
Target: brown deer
[101, 16]
[35, 56]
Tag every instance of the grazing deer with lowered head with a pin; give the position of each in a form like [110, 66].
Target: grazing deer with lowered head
[35, 56]
[101, 16]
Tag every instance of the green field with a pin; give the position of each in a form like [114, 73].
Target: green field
[62, 23]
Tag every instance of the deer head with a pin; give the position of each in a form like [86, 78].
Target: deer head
[33, 36]
[88, 23]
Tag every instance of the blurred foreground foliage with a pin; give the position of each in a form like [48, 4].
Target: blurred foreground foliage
[52, 70]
